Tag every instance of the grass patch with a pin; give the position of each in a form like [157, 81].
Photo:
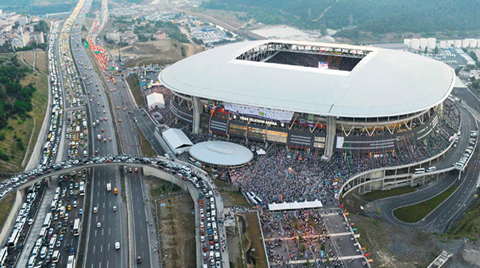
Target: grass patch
[178, 231]
[254, 240]
[220, 183]
[374, 195]
[134, 84]
[5, 206]
[164, 188]
[468, 225]
[418, 211]
[233, 199]
[19, 131]
[28, 56]
[41, 62]
[145, 146]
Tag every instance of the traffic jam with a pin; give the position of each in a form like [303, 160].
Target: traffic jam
[209, 224]
[63, 222]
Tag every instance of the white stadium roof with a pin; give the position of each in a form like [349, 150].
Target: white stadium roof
[384, 83]
[221, 153]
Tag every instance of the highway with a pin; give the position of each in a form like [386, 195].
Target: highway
[100, 241]
[122, 107]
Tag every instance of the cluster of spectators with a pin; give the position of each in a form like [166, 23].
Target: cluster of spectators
[287, 175]
[297, 236]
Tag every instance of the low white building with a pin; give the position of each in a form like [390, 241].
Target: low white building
[155, 100]
[177, 140]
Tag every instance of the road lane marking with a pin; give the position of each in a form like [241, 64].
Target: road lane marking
[93, 252]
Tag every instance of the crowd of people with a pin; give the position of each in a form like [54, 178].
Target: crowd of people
[285, 174]
[296, 236]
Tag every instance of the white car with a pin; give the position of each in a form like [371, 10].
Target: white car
[117, 245]
[99, 224]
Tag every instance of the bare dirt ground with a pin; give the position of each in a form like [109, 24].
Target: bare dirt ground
[393, 246]
[191, 49]
[159, 51]
[175, 223]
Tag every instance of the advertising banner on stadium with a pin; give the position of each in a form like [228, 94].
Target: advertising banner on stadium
[264, 113]
[340, 141]
[310, 120]
[323, 64]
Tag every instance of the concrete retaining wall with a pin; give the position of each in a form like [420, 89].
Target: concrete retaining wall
[9, 221]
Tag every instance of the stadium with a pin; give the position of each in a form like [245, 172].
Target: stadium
[325, 97]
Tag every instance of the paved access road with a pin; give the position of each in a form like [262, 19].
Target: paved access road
[440, 219]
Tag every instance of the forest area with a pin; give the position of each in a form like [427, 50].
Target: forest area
[449, 17]
[15, 99]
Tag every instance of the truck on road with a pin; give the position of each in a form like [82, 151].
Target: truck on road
[109, 187]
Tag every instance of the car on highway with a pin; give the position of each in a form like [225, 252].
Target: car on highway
[117, 245]
[139, 259]
[114, 208]
[95, 210]
[99, 224]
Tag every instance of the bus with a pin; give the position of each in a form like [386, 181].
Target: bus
[82, 188]
[3, 256]
[71, 261]
[259, 201]
[48, 220]
[13, 239]
[76, 227]
[251, 199]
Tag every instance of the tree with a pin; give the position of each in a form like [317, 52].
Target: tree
[41, 26]
[476, 84]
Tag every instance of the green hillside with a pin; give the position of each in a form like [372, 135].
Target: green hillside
[375, 16]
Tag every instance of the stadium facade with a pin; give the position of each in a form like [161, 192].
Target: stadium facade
[316, 96]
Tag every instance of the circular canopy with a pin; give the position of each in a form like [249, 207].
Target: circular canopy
[221, 153]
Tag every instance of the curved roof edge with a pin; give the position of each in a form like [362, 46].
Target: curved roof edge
[208, 66]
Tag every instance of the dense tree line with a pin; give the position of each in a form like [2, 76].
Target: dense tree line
[172, 30]
[15, 99]
[41, 26]
[375, 16]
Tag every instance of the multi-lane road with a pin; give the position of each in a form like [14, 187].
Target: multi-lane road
[100, 242]
[440, 219]
[120, 114]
